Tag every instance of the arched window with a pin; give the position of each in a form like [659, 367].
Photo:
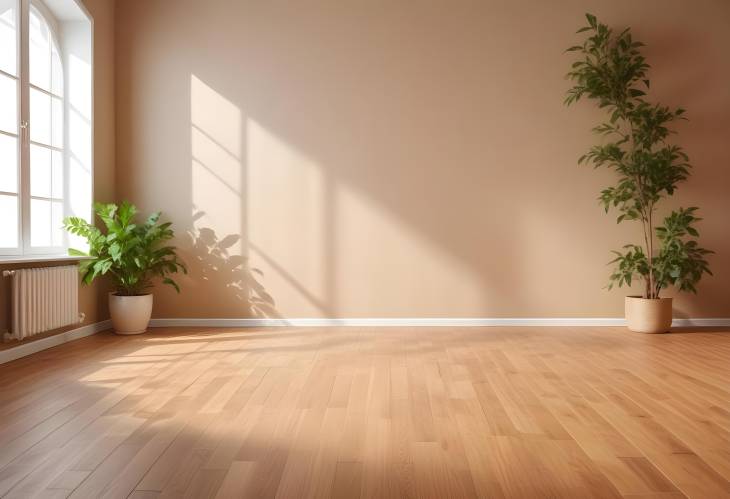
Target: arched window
[42, 158]
[46, 135]
[9, 127]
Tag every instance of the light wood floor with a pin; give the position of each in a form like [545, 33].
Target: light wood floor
[354, 412]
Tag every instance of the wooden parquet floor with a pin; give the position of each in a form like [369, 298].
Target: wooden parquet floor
[370, 412]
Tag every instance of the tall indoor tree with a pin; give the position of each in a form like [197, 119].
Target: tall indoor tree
[612, 72]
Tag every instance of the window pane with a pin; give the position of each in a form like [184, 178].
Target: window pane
[57, 175]
[9, 36]
[8, 222]
[40, 117]
[56, 72]
[40, 223]
[8, 164]
[40, 51]
[57, 224]
[8, 104]
[40, 171]
[56, 122]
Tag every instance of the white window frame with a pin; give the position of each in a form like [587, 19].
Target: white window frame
[20, 130]
[26, 86]
[22, 136]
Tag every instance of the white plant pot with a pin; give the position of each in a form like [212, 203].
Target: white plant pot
[130, 314]
[645, 315]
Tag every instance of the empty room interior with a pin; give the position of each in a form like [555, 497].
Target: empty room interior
[365, 249]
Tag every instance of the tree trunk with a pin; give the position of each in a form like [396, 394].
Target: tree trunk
[651, 254]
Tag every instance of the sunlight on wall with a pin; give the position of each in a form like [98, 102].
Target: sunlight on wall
[79, 79]
[303, 228]
[287, 199]
[216, 130]
[313, 230]
[78, 74]
[398, 250]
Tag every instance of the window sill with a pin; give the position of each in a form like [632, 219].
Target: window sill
[11, 260]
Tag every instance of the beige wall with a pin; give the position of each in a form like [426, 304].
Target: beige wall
[400, 159]
[91, 299]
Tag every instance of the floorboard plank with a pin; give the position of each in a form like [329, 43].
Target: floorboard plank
[370, 412]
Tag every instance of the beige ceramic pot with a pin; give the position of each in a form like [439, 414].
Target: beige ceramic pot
[648, 315]
[130, 314]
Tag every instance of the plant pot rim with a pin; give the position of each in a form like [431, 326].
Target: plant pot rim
[637, 297]
[114, 293]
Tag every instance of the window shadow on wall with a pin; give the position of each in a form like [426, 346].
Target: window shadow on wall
[370, 168]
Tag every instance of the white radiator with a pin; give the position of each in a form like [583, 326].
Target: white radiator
[43, 299]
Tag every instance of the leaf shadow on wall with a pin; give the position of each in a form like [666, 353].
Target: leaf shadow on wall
[373, 169]
[223, 278]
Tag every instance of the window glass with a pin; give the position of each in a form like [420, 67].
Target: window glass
[56, 122]
[46, 143]
[56, 174]
[40, 171]
[46, 135]
[56, 72]
[40, 117]
[8, 164]
[8, 104]
[39, 51]
[9, 36]
[9, 221]
[40, 222]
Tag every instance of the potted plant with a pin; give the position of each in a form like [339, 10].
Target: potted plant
[132, 255]
[612, 72]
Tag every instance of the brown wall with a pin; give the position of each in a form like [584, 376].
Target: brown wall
[400, 159]
[91, 299]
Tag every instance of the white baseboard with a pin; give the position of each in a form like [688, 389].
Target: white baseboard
[52, 341]
[421, 321]
[74, 334]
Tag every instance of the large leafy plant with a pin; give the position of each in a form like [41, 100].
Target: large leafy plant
[131, 254]
[612, 72]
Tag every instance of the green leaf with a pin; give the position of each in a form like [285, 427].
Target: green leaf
[115, 251]
[75, 252]
[648, 167]
[130, 255]
[126, 211]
